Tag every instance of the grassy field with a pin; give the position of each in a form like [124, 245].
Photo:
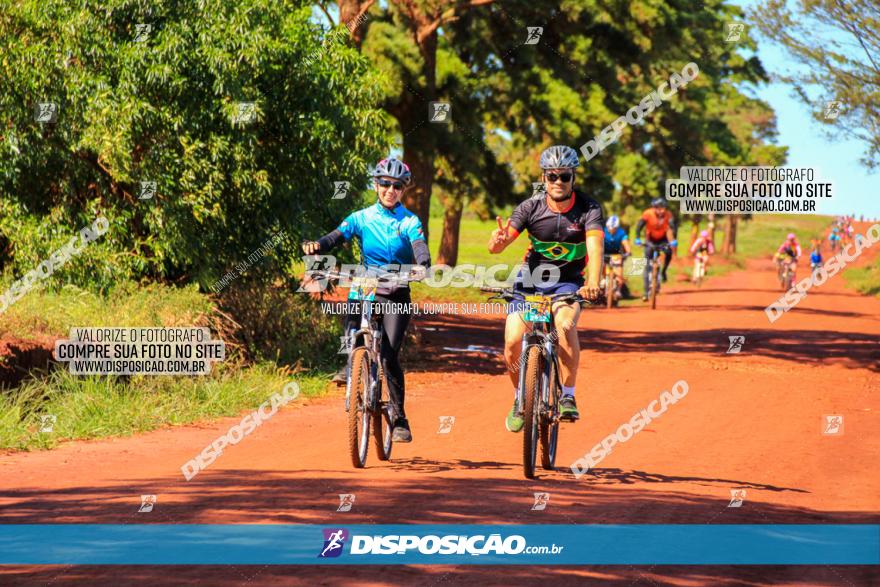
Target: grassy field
[93, 407]
[865, 280]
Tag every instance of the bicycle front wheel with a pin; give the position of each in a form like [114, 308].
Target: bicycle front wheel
[359, 408]
[550, 419]
[382, 419]
[531, 410]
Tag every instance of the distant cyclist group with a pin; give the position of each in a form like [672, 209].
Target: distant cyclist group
[787, 255]
[567, 231]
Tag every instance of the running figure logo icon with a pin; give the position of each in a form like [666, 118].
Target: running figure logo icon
[245, 112]
[446, 423]
[439, 112]
[737, 497]
[833, 425]
[148, 190]
[346, 501]
[142, 32]
[47, 422]
[534, 35]
[734, 32]
[334, 540]
[340, 190]
[541, 501]
[637, 266]
[736, 344]
[46, 112]
[538, 189]
[832, 110]
[147, 503]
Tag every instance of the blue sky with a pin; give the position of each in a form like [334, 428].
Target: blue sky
[856, 190]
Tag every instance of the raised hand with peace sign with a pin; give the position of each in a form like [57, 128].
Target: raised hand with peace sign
[501, 236]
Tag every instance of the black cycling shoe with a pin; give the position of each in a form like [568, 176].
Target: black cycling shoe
[663, 275]
[339, 378]
[401, 432]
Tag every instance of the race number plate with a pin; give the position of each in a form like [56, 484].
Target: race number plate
[538, 309]
[363, 288]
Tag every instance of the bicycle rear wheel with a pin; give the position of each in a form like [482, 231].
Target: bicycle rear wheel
[358, 410]
[382, 419]
[531, 410]
[550, 419]
[786, 280]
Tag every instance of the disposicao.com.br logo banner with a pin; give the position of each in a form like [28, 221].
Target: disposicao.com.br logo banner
[474, 544]
[443, 544]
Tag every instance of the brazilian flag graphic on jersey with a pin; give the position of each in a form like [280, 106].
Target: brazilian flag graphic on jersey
[560, 251]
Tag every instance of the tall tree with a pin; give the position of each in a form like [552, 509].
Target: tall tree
[837, 42]
[403, 38]
[236, 111]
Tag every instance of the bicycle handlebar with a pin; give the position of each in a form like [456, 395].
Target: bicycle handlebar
[387, 276]
[510, 294]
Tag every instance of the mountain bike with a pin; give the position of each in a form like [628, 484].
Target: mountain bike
[700, 260]
[611, 286]
[539, 389]
[367, 401]
[653, 269]
[784, 273]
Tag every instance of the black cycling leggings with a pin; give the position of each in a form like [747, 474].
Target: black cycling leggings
[393, 332]
[649, 250]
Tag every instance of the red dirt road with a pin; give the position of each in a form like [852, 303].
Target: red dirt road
[752, 420]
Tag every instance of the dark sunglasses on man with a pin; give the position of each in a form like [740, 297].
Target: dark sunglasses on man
[565, 177]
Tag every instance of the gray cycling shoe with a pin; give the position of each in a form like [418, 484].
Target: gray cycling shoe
[401, 432]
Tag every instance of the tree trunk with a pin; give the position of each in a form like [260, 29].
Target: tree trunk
[418, 143]
[449, 240]
[417, 198]
[729, 246]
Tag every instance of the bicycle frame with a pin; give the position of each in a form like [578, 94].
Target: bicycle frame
[364, 370]
[371, 331]
[541, 338]
[656, 251]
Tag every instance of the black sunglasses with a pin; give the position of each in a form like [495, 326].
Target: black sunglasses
[385, 183]
[565, 177]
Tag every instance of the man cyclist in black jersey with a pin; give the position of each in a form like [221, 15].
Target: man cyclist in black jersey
[566, 231]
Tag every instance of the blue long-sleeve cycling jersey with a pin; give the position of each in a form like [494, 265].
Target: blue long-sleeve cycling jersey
[385, 236]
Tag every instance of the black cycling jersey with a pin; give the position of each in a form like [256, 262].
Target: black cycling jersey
[558, 238]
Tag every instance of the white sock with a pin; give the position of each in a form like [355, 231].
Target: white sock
[515, 391]
[568, 390]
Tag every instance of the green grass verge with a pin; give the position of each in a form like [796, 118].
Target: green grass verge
[866, 279]
[44, 311]
[94, 407]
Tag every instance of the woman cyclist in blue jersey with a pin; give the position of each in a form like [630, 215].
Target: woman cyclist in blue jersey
[388, 234]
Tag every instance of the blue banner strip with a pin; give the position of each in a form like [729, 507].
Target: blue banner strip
[294, 544]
